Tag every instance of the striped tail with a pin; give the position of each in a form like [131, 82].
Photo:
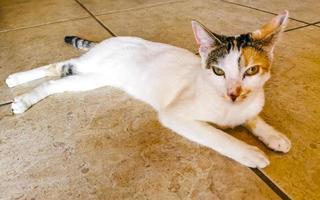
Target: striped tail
[79, 43]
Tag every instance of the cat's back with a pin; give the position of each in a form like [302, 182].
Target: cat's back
[150, 71]
[139, 56]
[138, 48]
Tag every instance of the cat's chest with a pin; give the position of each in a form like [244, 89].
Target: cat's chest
[230, 117]
[226, 115]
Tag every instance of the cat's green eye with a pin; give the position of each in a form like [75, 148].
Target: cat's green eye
[252, 70]
[218, 71]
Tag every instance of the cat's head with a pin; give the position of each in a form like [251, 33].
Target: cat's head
[240, 65]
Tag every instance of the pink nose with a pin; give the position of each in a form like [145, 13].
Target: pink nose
[234, 94]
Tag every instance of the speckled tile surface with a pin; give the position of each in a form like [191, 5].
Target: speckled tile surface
[175, 27]
[99, 7]
[100, 144]
[307, 10]
[103, 144]
[293, 107]
[17, 13]
[291, 93]
[29, 48]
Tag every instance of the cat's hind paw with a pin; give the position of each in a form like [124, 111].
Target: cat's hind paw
[12, 81]
[19, 105]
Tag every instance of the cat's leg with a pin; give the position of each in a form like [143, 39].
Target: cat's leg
[268, 135]
[216, 139]
[70, 83]
[55, 69]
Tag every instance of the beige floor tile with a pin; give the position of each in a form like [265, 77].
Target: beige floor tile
[100, 144]
[292, 93]
[105, 145]
[102, 6]
[16, 13]
[307, 10]
[174, 27]
[292, 107]
[28, 48]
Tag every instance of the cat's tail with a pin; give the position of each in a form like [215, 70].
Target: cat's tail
[79, 43]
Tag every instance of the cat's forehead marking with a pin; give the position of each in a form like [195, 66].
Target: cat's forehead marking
[229, 44]
[249, 53]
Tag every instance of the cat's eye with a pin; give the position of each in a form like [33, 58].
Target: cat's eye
[218, 71]
[252, 70]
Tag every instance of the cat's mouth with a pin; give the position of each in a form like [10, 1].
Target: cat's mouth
[238, 98]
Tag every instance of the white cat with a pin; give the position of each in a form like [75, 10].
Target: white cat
[224, 87]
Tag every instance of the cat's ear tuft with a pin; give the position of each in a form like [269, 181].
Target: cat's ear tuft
[203, 36]
[270, 32]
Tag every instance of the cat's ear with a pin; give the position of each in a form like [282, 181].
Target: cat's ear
[268, 34]
[205, 39]
[203, 36]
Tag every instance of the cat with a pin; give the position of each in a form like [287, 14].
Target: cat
[193, 96]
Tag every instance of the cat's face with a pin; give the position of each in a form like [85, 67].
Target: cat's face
[239, 65]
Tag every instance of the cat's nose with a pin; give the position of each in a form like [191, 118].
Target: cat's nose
[233, 97]
[235, 93]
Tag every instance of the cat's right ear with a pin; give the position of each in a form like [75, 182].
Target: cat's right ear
[204, 37]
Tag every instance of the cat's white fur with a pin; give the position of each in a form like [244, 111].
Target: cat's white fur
[173, 82]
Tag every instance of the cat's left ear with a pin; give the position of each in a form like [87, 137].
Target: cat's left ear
[268, 34]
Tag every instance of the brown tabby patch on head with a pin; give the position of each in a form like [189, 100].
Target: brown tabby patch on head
[214, 55]
[226, 44]
[252, 51]
[254, 56]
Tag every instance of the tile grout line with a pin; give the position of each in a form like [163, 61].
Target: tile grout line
[95, 18]
[87, 17]
[6, 103]
[123, 10]
[299, 27]
[316, 24]
[141, 7]
[238, 4]
[44, 24]
[271, 184]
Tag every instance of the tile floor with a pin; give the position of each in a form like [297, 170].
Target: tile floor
[105, 145]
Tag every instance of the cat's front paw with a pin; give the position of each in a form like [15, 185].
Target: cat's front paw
[278, 142]
[252, 157]
[19, 105]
